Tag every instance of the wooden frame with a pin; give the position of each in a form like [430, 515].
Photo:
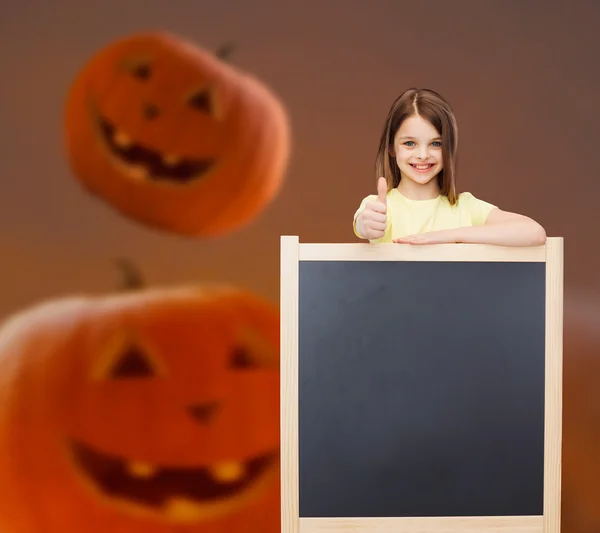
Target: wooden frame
[292, 251]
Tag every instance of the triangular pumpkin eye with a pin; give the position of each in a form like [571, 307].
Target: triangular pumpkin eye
[133, 363]
[202, 101]
[241, 358]
[253, 350]
[141, 71]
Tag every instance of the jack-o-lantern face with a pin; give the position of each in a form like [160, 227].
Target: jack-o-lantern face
[175, 138]
[150, 412]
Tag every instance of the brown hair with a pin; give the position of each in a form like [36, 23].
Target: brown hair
[433, 108]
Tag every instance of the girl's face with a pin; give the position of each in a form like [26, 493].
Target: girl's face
[418, 149]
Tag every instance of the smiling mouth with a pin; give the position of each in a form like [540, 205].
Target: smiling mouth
[422, 168]
[181, 494]
[144, 164]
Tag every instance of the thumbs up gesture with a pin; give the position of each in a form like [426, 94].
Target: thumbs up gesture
[371, 222]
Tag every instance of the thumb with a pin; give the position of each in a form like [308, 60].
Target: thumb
[382, 191]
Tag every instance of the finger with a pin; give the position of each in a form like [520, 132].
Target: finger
[378, 207]
[378, 217]
[375, 220]
[382, 191]
[377, 226]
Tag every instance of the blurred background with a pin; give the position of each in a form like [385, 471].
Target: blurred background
[521, 75]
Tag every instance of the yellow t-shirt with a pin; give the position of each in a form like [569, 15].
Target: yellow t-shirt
[409, 217]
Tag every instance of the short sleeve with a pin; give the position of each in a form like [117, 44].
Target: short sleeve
[478, 209]
[388, 228]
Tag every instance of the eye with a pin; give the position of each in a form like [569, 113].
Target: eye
[409, 143]
[141, 71]
[437, 144]
[252, 350]
[202, 101]
[132, 363]
[241, 359]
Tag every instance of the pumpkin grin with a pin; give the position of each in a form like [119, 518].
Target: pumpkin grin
[143, 163]
[179, 493]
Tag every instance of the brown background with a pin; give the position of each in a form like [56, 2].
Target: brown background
[522, 76]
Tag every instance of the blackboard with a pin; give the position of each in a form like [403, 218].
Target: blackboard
[421, 388]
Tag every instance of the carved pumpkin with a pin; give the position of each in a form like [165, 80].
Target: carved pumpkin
[174, 137]
[581, 422]
[147, 412]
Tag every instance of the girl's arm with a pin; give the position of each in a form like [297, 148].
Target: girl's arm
[501, 228]
[505, 229]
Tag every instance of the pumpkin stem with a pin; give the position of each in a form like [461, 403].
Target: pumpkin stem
[131, 277]
[225, 51]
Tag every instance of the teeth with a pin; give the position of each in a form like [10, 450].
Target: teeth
[422, 167]
[227, 471]
[139, 469]
[138, 172]
[182, 509]
[121, 139]
[171, 159]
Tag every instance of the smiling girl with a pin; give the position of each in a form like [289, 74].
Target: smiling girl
[416, 199]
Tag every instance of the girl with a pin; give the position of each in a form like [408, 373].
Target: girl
[416, 200]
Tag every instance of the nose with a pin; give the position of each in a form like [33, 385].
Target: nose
[424, 153]
[150, 110]
[204, 412]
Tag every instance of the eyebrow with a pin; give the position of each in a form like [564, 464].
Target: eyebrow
[434, 139]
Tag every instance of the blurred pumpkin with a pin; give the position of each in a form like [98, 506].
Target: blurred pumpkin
[581, 418]
[174, 137]
[150, 411]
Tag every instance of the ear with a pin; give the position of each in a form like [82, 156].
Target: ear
[391, 150]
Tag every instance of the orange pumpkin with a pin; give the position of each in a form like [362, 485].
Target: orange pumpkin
[174, 137]
[581, 422]
[147, 412]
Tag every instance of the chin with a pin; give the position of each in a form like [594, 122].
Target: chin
[421, 179]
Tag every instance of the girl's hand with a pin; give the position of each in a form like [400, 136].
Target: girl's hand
[432, 237]
[371, 223]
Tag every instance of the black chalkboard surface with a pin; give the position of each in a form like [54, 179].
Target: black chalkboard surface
[421, 388]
